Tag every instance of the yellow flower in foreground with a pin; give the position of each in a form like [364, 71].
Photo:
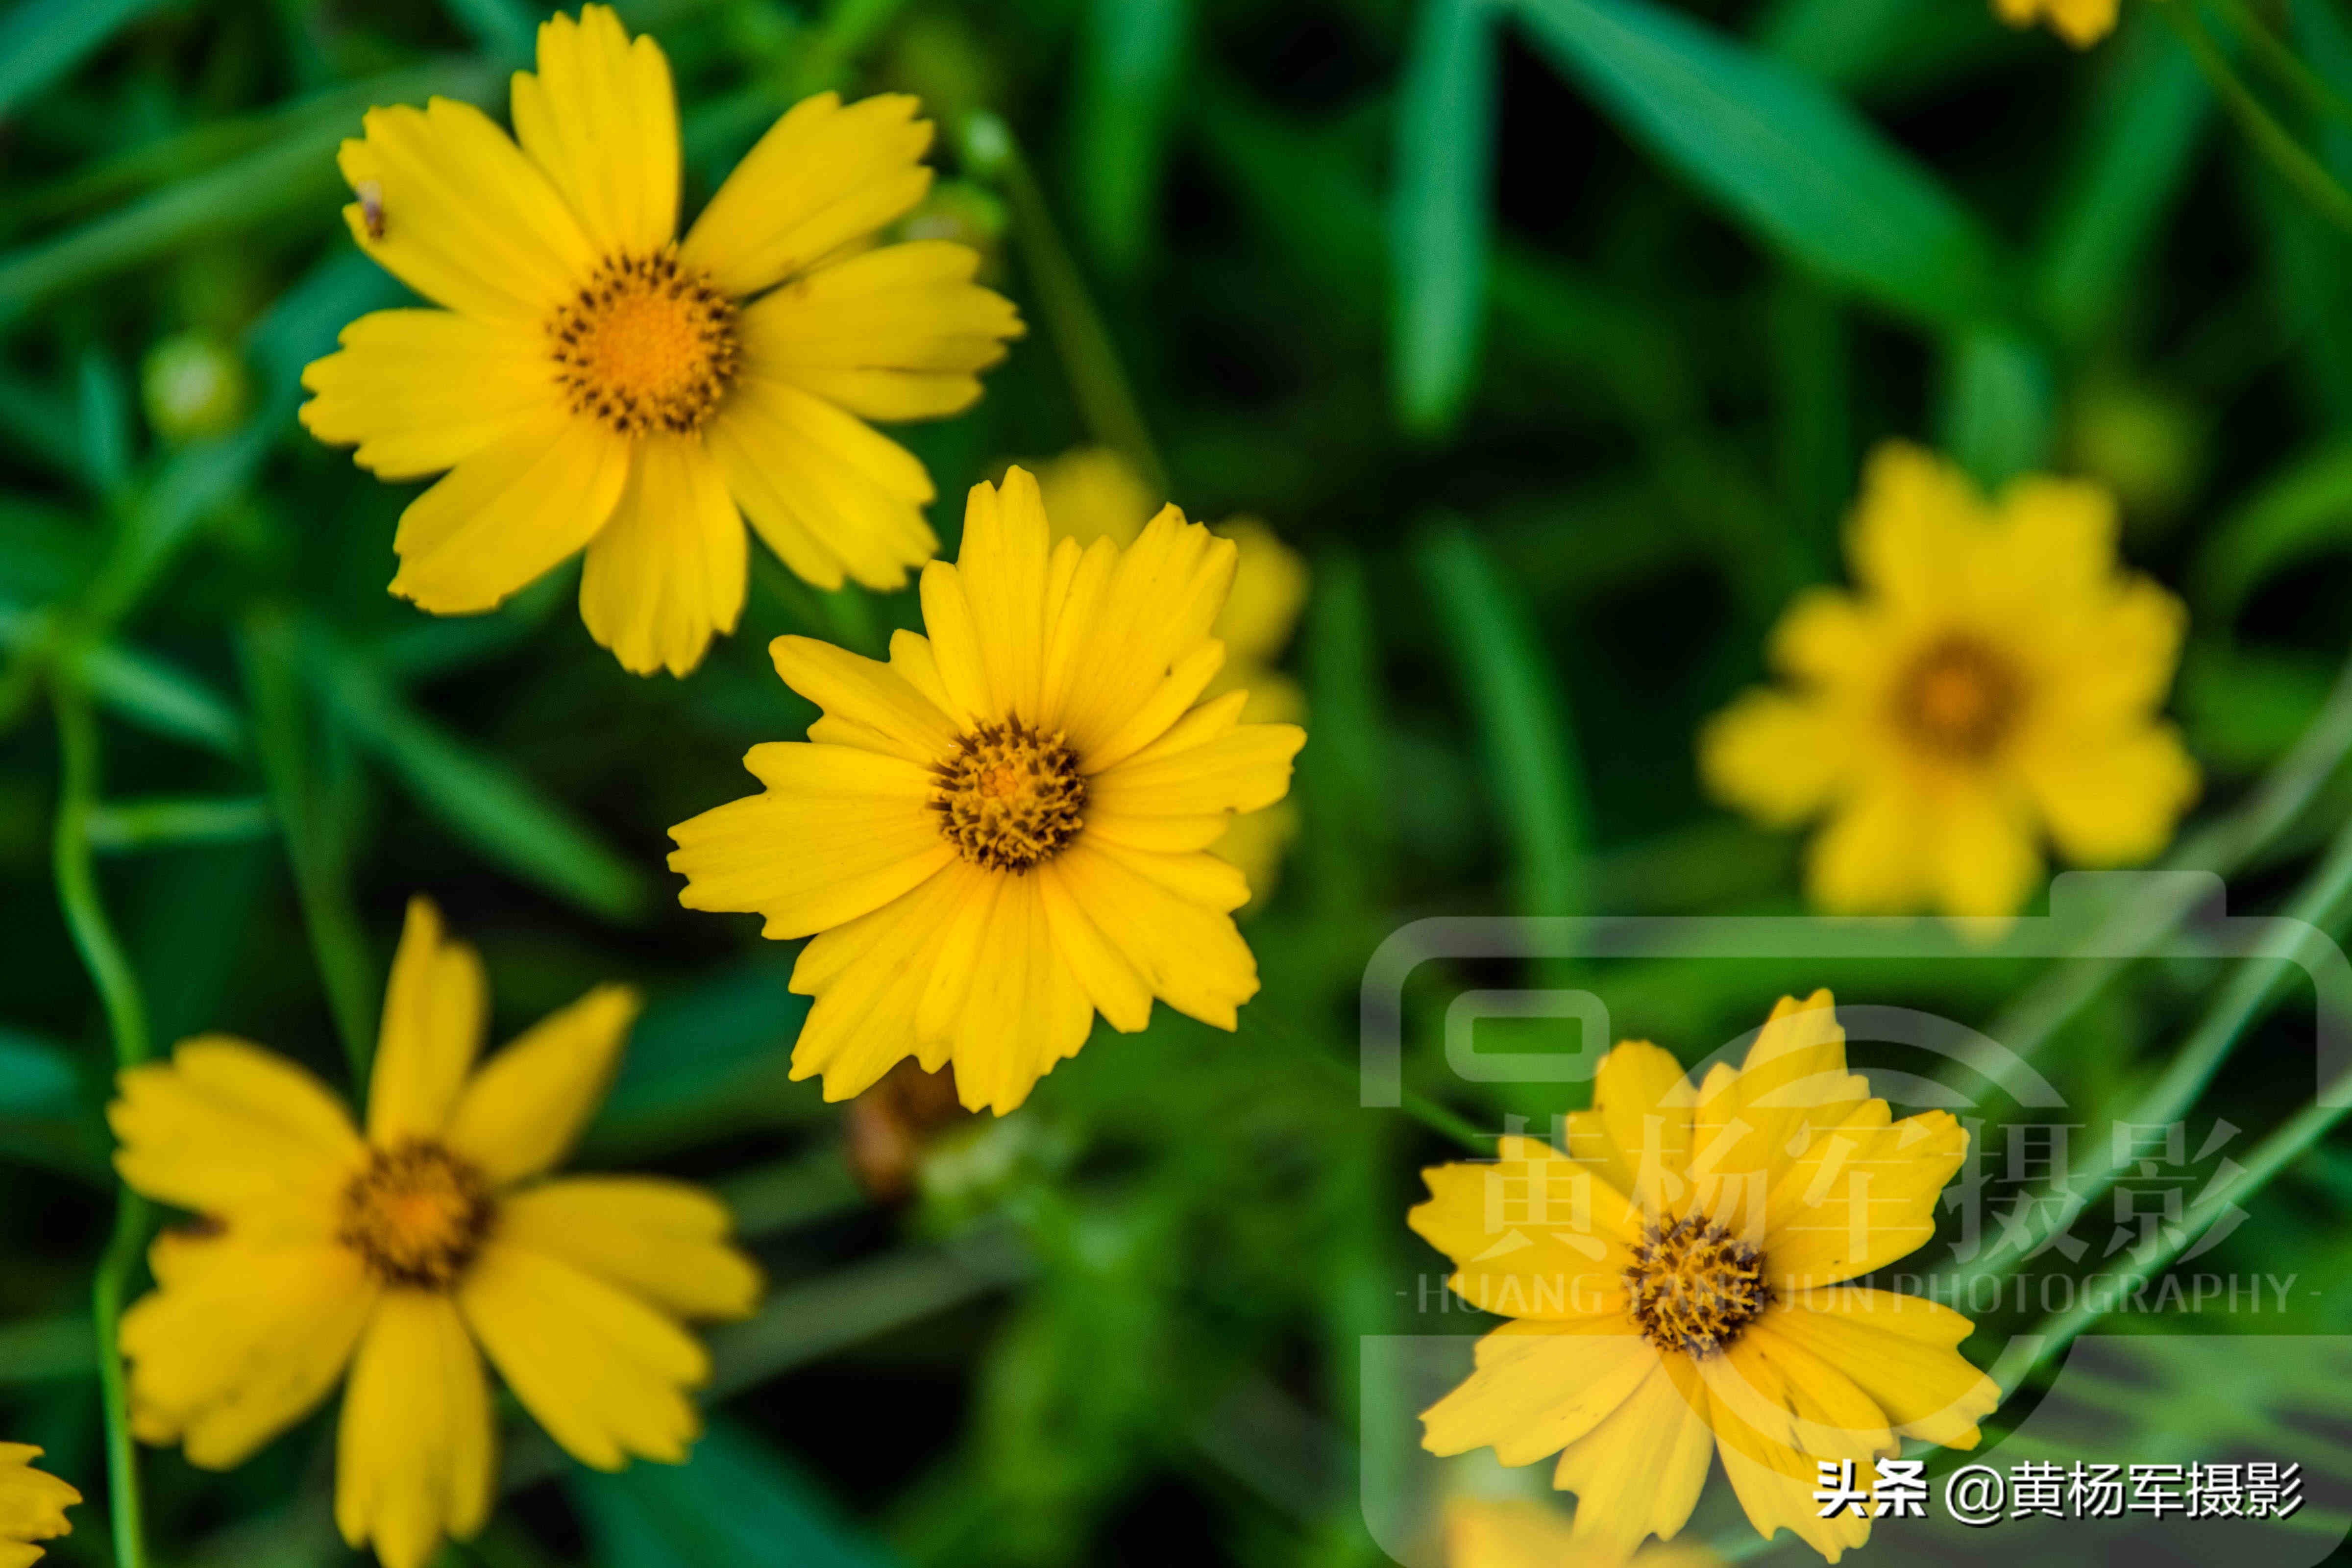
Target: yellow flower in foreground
[598, 384]
[397, 1253]
[1675, 1280]
[1002, 830]
[1995, 679]
[33, 1505]
[1519, 1533]
[1093, 493]
[2081, 23]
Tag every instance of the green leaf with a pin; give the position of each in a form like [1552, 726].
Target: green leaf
[2000, 406]
[41, 40]
[37, 1077]
[294, 173]
[105, 425]
[1781, 155]
[738, 1503]
[1440, 214]
[1532, 764]
[1131, 57]
[1836, 42]
[2139, 150]
[711, 1059]
[2304, 510]
[484, 801]
[150, 692]
[171, 822]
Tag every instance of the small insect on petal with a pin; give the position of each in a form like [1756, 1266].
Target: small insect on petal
[370, 195]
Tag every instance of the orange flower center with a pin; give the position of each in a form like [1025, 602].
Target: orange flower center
[416, 1214]
[1959, 699]
[1694, 1286]
[645, 343]
[1009, 797]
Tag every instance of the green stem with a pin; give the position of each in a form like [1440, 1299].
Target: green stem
[2275, 56]
[1105, 400]
[322, 876]
[2272, 140]
[2318, 907]
[126, 1017]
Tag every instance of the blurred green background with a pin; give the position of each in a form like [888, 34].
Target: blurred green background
[1551, 331]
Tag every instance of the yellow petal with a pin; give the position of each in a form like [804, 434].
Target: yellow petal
[601, 119]
[822, 176]
[866, 703]
[664, 1240]
[510, 513]
[1002, 572]
[1863, 1195]
[523, 1110]
[226, 1359]
[417, 1454]
[436, 1007]
[1639, 1471]
[667, 572]
[898, 333]
[1182, 941]
[1112, 984]
[1915, 524]
[1757, 1437]
[1901, 1351]
[828, 495]
[1540, 1386]
[839, 833]
[601, 1370]
[1874, 854]
[1533, 1232]
[1129, 619]
[1644, 1105]
[1781, 759]
[2111, 799]
[226, 1125]
[467, 220]
[1201, 768]
[420, 391]
[1791, 1085]
[1025, 1010]
[33, 1502]
[1987, 857]
[863, 1022]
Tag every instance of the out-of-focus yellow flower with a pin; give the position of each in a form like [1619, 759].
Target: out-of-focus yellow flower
[1520, 1533]
[1995, 680]
[1093, 493]
[1675, 1282]
[33, 1505]
[2081, 23]
[395, 1254]
[1003, 829]
[598, 384]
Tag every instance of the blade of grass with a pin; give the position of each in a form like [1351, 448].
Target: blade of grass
[42, 40]
[1439, 212]
[122, 826]
[1131, 55]
[1522, 719]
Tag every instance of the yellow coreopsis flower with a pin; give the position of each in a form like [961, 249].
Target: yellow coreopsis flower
[1519, 1533]
[1995, 679]
[1004, 828]
[2081, 23]
[1676, 1282]
[1093, 493]
[398, 1253]
[33, 1505]
[596, 382]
